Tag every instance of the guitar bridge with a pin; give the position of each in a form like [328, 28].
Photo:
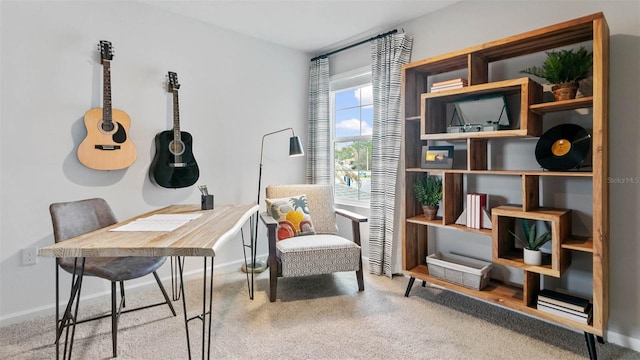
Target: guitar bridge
[178, 165]
[107, 147]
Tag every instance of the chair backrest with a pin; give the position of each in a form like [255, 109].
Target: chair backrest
[74, 218]
[320, 200]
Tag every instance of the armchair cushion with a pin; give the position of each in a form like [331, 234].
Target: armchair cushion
[292, 215]
[317, 254]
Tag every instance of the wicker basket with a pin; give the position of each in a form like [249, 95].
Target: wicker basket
[460, 270]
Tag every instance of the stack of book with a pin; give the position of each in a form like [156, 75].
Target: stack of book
[476, 211]
[449, 85]
[565, 305]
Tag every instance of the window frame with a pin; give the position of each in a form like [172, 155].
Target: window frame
[352, 79]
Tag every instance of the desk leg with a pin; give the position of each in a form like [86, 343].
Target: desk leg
[68, 319]
[175, 287]
[253, 248]
[206, 329]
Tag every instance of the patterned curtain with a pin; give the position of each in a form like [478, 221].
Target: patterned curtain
[318, 150]
[388, 54]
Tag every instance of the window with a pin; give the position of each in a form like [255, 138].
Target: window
[352, 124]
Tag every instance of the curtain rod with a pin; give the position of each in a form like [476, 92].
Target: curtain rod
[354, 45]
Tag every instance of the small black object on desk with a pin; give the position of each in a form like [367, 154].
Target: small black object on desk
[206, 200]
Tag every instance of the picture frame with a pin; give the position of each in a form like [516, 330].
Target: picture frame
[437, 157]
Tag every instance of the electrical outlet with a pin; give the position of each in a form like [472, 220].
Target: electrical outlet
[29, 256]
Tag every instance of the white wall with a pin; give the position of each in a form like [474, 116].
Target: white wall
[234, 90]
[471, 23]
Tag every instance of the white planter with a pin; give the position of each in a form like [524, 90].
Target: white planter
[532, 257]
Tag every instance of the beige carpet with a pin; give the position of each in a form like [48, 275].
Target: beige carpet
[320, 317]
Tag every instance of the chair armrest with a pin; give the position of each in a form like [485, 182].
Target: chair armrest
[268, 220]
[356, 219]
[351, 215]
[271, 224]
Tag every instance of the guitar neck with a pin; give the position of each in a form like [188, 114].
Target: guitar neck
[106, 91]
[176, 116]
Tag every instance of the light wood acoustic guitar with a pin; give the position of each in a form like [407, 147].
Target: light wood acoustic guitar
[107, 145]
[174, 165]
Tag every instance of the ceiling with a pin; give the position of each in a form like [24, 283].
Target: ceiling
[312, 26]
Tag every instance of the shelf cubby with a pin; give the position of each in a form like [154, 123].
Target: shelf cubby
[434, 108]
[505, 252]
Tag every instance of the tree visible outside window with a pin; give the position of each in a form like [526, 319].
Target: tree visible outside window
[353, 121]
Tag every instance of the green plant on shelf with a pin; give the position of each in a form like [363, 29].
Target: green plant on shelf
[531, 242]
[428, 190]
[564, 66]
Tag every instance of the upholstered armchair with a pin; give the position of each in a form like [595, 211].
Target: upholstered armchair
[302, 234]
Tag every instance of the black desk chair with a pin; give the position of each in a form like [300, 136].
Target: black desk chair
[71, 219]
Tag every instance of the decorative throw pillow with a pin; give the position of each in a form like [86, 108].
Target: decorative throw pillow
[292, 215]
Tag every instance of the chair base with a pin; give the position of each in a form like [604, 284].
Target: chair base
[69, 320]
[273, 282]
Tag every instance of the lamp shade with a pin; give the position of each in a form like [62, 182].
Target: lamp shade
[295, 146]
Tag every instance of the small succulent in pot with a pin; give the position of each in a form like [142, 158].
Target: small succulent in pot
[532, 242]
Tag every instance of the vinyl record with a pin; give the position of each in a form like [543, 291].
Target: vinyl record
[563, 147]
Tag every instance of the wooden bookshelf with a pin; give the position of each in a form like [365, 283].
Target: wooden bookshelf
[425, 123]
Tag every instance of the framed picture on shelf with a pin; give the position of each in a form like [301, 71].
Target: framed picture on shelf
[437, 157]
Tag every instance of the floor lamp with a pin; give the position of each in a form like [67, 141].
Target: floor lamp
[295, 149]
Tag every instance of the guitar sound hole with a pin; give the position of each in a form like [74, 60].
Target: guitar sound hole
[176, 147]
[107, 126]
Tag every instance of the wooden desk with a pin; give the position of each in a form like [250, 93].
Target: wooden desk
[199, 237]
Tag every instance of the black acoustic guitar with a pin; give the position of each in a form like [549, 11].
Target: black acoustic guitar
[174, 165]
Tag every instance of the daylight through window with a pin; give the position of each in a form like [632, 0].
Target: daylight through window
[352, 113]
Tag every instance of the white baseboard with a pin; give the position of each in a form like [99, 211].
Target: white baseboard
[622, 340]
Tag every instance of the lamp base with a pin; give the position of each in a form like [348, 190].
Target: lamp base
[258, 267]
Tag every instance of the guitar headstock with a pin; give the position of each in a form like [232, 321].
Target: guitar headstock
[106, 50]
[172, 84]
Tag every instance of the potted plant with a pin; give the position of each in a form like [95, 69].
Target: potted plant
[564, 69]
[532, 243]
[428, 191]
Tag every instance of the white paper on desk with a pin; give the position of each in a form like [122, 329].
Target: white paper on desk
[158, 222]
